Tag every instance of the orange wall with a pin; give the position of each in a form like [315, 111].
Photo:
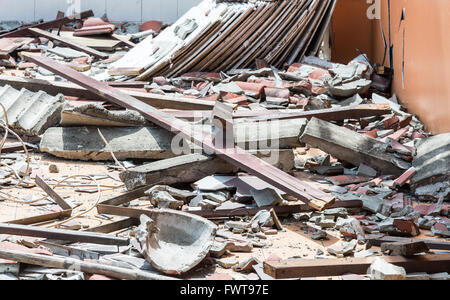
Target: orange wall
[425, 89]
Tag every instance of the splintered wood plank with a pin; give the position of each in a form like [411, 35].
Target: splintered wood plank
[301, 268]
[64, 235]
[68, 43]
[236, 156]
[58, 199]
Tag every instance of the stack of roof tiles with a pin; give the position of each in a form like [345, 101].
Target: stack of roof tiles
[223, 35]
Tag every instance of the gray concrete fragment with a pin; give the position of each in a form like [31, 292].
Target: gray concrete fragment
[163, 199]
[341, 249]
[432, 161]
[30, 113]
[174, 242]
[84, 143]
[266, 197]
[94, 114]
[227, 263]
[382, 270]
[352, 147]
[187, 169]
[67, 52]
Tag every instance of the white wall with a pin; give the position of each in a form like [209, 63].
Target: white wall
[167, 11]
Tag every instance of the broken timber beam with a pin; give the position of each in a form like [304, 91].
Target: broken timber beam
[83, 266]
[42, 218]
[237, 156]
[330, 114]
[115, 226]
[352, 147]
[58, 199]
[336, 267]
[220, 213]
[23, 31]
[69, 43]
[70, 89]
[64, 235]
[378, 239]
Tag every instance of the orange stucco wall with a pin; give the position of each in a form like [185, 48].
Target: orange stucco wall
[421, 40]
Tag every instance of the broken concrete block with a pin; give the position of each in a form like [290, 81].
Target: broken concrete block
[163, 199]
[84, 143]
[185, 169]
[431, 181]
[352, 147]
[382, 270]
[417, 276]
[354, 230]
[336, 212]
[181, 169]
[399, 227]
[440, 276]
[319, 235]
[426, 222]
[440, 229]
[94, 114]
[247, 265]
[30, 113]
[404, 249]
[218, 249]
[227, 263]
[237, 225]
[264, 219]
[342, 248]
[174, 242]
[241, 247]
[266, 197]
[367, 171]
[327, 222]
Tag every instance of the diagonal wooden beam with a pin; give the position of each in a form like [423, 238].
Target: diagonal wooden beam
[236, 156]
[68, 43]
[23, 31]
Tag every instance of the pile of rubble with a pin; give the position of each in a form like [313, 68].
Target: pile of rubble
[199, 175]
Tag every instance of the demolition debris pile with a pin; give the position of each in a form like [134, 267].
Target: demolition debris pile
[220, 147]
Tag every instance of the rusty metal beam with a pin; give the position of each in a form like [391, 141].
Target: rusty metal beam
[23, 31]
[236, 156]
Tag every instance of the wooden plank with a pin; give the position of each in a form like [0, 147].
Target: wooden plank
[42, 218]
[115, 226]
[23, 31]
[87, 267]
[70, 89]
[58, 199]
[329, 114]
[68, 43]
[222, 213]
[64, 235]
[127, 197]
[14, 147]
[378, 239]
[337, 267]
[236, 156]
